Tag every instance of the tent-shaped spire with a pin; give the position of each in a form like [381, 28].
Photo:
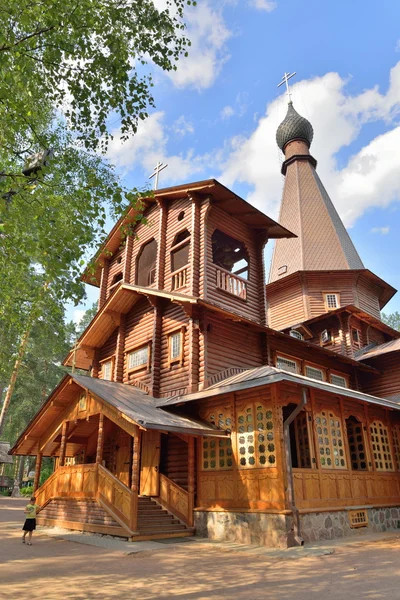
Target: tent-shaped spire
[322, 242]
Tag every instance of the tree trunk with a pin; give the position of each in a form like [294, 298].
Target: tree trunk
[13, 379]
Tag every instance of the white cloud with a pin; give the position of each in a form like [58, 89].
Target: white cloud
[208, 34]
[182, 127]
[149, 146]
[371, 177]
[382, 230]
[227, 112]
[266, 5]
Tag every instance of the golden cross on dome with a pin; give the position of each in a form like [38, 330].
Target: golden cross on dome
[285, 79]
[157, 169]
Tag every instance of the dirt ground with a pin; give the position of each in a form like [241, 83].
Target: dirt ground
[54, 568]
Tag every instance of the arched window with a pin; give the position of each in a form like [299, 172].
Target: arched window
[230, 254]
[355, 437]
[180, 251]
[146, 264]
[116, 279]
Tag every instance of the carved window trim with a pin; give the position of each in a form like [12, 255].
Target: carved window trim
[311, 367]
[345, 378]
[381, 447]
[331, 300]
[396, 443]
[110, 360]
[256, 431]
[284, 357]
[357, 445]
[145, 365]
[330, 440]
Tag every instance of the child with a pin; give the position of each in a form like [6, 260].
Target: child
[30, 521]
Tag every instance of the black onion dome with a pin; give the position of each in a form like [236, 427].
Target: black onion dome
[294, 127]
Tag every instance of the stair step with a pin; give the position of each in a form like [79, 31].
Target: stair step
[160, 532]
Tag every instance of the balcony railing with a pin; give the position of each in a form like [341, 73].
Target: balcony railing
[230, 283]
[180, 278]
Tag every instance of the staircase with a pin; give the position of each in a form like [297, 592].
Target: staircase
[79, 514]
[154, 522]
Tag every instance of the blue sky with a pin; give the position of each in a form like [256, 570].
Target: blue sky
[216, 116]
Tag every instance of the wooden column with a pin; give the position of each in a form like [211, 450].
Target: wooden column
[156, 345]
[161, 246]
[128, 259]
[100, 440]
[135, 478]
[195, 249]
[38, 466]
[118, 374]
[63, 445]
[103, 284]
[191, 478]
[261, 241]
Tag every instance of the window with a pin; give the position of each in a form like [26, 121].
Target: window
[302, 441]
[175, 347]
[381, 447]
[256, 437]
[326, 337]
[356, 337]
[106, 370]
[286, 364]
[217, 452]
[146, 264]
[180, 251]
[338, 380]
[396, 443]
[314, 373]
[296, 334]
[332, 301]
[116, 279]
[355, 438]
[230, 254]
[330, 441]
[137, 359]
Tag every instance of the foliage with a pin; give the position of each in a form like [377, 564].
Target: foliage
[393, 320]
[46, 470]
[26, 491]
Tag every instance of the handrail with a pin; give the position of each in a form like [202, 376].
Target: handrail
[118, 498]
[231, 283]
[179, 278]
[175, 498]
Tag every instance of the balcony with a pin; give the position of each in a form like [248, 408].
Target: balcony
[228, 282]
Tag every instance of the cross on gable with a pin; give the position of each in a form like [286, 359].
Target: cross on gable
[157, 169]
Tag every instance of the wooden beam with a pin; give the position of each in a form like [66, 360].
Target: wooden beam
[63, 445]
[191, 478]
[100, 440]
[135, 478]
[38, 467]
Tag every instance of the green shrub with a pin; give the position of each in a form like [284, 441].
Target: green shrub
[26, 491]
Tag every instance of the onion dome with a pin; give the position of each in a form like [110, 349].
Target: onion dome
[294, 127]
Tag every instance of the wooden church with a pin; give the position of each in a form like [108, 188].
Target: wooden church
[216, 403]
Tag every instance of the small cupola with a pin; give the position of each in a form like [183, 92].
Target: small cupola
[294, 127]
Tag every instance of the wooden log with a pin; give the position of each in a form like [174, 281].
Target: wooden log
[191, 478]
[100, 440]
[38, 466]
[135, 478]
[63, 445]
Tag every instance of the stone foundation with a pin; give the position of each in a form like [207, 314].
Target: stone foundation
[260, 529]
[276, 530]
[336, 524]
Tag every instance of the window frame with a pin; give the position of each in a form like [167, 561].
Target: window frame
[334, 374]
[376, 423]
[356, 451]
[141, 367]
[177, 359]
[326, 301]
[103, 362]
[330, 413]
[331, 338]
[317, 368]
[291, 359]
[222, 413]
[178, 246]
[270, 436]
[356, 344]
[297, 335]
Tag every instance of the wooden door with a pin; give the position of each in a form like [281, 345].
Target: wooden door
[124, 457]
[150, 463]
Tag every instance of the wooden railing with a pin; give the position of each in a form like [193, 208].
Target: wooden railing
[117, 498]
[176, 499]
[230, 283]
[180, 278]
[92, 481]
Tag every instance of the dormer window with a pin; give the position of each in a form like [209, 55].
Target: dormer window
[326, 337]
[107, 369]
[146, 264]
[355, 337]
[332, 300]
[296, 334]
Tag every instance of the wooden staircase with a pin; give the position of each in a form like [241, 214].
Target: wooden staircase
[83, 514]
[155, 522]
